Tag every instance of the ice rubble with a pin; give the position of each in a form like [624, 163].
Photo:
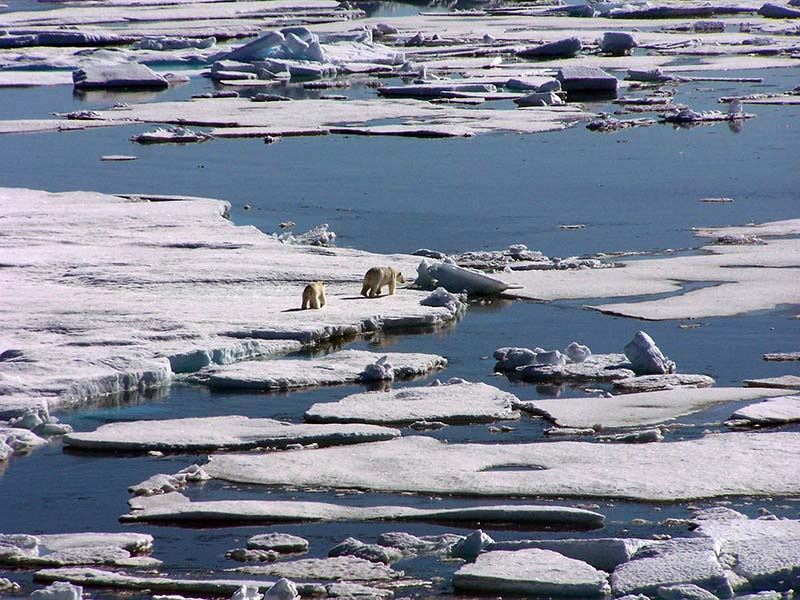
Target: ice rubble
[456, 402]
[646, 472]
[371, 552]
[161, 483]
[175, 507]
[213, 587]
[345, 366]
[340, 568]
[58, 590]
[212, 433]
[115, 549]
[531, 572]
[106, 342]
[637, 409]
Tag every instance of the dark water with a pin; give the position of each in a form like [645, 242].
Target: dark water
[636, 190]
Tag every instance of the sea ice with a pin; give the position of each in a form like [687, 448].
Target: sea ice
[653, 383]
[455, 279]
[531, 572]
[635, 410]
[279, 542]
[345, 366]
[76, 549]
[174, 507]
[605, 554]
[59, 590]
[129, 75]
[566, 48]
[371, 552]
[789, 382]
[460, 402]
[646, 471]
[340, 568]
[211, 433]
[771, 412]
[585, 79]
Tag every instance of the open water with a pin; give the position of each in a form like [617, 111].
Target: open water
[636, 190]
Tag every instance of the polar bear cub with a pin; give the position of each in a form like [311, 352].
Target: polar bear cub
[314, 295]
[377, 277]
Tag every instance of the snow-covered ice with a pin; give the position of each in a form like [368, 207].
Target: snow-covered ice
[211, 433]
[762, 466]
[642, 408]
[460, 402]
[531, 572]
[345, 366]
[175, 507]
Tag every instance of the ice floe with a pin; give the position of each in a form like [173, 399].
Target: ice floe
[425, 465]
[130, 75]
[165, 253]
[747, 278]
[457, 402]
[531, 572]
[211, 433]
[345, 366]
[789, 382]
[114, 549]
[98, 578]
[652, 383]
[605, 554]
[175, 507]
[279, 542]
[770, 412]
[637, 409]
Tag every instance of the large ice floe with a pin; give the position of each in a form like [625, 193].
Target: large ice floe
[635, 410]
[177, 508]
[452, 402]
[345, 366]
[212, 433]
[765, 464]
[740, 278]
[163, 287]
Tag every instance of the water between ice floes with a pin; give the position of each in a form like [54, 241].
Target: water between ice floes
[636, 190]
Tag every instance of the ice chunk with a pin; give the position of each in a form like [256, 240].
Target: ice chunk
[684, 591]
[550, 358]
[605, 554]
[371, 552]
[617, 42]
[283, 589]
[279, 542]
[127, 75]
[584, 79]
[456, 279]
[441, 297]
[566, 48]
[380, 370]
[652, 383]
[577, 352]
[411, 544]
[471, 546]
[539, 99]
[510, 359]
[247, 592]
[60, 590]
[646, 358]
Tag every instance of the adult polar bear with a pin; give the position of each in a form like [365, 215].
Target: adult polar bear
[377, 277]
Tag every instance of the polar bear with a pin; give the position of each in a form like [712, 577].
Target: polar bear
[377, 277]
[314, 295]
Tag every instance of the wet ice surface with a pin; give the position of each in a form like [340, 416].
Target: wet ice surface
[637, 190]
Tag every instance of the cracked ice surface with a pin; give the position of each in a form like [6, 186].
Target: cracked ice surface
[175, 507]
[211, 433]
[345, 366]
[451, 403]
[760, 464]
[644, 408]
[162, 287]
